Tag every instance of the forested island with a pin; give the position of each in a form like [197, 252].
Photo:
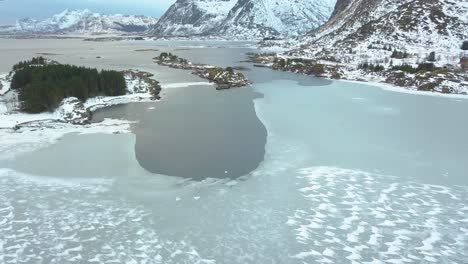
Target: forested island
[224, 78]
[42, 84]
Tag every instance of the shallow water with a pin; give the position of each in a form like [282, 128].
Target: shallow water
[351, 174]
[196, 133]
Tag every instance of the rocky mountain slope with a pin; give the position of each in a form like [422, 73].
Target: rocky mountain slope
[243, 18]
[276, 17]
[82, 22]
[410, 25]
[193, 17]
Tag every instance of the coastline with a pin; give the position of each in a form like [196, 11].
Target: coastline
[398, 89]
[15, 119]
[368, 80]
[29, 124]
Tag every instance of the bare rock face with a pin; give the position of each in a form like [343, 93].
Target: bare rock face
[73, 111]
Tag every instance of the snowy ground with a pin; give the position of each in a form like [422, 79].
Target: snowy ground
[4, 83]
[40, 134]
[460, 89]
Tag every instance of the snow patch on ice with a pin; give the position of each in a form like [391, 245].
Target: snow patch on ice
[380, 221]
[185, 84]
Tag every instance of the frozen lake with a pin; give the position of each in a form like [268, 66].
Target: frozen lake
[350, 173]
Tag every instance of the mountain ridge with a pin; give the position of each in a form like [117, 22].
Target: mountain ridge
[242, 18]
[82, 22]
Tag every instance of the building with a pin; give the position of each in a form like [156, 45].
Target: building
[464, 62]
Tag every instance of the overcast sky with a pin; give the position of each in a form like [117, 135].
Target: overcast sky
[11, 10]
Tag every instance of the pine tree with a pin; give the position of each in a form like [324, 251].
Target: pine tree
[432, 56]
[464, 45]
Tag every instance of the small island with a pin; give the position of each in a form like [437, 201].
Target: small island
[224, 78]
[70, 93]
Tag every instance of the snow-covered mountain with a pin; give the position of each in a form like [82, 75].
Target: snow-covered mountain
[402, 24]
[82, 21]
[276, 17]
[243, 18]
[193, 17]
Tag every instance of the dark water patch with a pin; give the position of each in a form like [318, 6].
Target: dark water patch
[197, 133]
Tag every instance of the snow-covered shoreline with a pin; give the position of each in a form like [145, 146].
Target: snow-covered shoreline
[446, 82]
[138, 90]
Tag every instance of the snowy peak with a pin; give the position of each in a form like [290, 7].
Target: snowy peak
[83, 21]
[244, 18]
[193, 17]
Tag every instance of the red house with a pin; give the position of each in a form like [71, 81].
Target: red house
[464, 62]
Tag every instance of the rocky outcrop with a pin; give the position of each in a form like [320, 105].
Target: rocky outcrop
[223, 78]
[73, 111]
[141, 82]
[296, 65]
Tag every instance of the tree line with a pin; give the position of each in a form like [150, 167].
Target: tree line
[422, 67]
[42, 88]
[34, 61]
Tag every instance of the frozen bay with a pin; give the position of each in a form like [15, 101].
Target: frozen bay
[351, 173]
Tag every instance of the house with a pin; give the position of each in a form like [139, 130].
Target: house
[449, 67]
[464, 62]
